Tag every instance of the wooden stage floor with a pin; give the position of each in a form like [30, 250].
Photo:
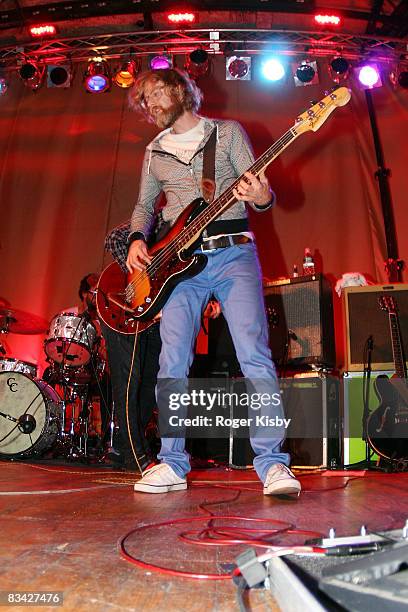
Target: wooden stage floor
[60, 528]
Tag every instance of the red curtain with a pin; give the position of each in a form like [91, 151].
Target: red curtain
[69, 172]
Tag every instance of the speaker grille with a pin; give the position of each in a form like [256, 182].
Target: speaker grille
[300, 315]
[301, 329]
[364, 318]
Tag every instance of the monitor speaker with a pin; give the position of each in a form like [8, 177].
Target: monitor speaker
[365, 319]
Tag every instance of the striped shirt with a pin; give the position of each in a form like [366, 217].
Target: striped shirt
[181, 181]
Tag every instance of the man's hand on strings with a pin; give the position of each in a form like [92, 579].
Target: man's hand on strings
[138, 256]
[254, 189]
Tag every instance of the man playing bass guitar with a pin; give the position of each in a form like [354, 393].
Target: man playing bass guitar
[173, 164]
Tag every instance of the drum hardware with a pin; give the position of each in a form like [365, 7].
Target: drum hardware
[34, 419]
[76, 369]
[111, 427]
[26, 423]
[20, 322]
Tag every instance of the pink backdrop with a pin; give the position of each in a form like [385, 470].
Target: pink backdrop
[69, 171]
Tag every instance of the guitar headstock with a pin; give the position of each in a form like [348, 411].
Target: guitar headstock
[316, 115]
[388, 303]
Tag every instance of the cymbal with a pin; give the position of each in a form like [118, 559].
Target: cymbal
[20, 322]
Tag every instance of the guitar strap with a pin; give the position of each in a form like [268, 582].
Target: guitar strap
[208, 179]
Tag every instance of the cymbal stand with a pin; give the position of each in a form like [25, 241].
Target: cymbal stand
[71, 453]
[84, 426]
[111, 427]
[3, 330]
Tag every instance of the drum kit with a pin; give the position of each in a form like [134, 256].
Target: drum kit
[58, 413]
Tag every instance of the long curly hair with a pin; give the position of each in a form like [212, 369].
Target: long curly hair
[173, 79]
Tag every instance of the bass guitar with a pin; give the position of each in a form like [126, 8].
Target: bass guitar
[141, 295]
[387, 426]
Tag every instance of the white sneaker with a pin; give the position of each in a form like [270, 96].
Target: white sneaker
[281, 481]
[160, 479]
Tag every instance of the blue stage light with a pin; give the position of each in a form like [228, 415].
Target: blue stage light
[97, 76]
[273, 69]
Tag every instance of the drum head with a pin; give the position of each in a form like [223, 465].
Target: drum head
[70, 339]
[26, 416]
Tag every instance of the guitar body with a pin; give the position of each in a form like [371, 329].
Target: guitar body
[387, 426]
[113, 279]
[150, 289]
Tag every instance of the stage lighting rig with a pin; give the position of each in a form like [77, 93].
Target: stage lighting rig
[305, 73]
[327, 20]
[181, 18]
[272, 69]
[4, 81]
[368, 75]
[43, 31]
[339, 69]
[125, 76]
[399, 76]
[238, 68]
[32, 74]
[97, 76]
[161, 62]
[197, 63]
[403, 78]
[4, 85]
[59, 75]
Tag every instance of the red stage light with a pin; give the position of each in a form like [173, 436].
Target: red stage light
[181, 17]
[43, 30]
[327, 19]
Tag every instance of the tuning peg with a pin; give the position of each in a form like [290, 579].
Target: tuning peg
[313, 102]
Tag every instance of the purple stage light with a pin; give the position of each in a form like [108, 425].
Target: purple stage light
[160, 62]
[369, 76]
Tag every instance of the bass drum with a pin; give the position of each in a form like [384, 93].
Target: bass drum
[16, 365]
[30, 415]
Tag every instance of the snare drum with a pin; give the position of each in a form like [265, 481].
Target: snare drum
[15, 365]
[31, 415]
[70, 339]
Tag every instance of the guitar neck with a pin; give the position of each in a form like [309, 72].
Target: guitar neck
[213, 210]
[397, 349]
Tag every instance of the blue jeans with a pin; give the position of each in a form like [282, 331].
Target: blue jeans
[233, 276]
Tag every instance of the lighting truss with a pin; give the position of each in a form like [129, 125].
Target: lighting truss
[244, 41]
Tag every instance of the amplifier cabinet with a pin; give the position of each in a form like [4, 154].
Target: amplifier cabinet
[313, 405]
[364, 318]
[300, 316]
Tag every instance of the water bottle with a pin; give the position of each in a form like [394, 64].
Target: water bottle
[308, 263]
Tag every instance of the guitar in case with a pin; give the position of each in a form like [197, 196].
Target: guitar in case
[387, 426]
[142, 295]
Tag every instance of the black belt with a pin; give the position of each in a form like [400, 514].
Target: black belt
[211, 244]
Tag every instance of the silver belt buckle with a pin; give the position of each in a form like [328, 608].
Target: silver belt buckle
[204, 250]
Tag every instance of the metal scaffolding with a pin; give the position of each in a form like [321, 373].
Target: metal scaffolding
[215, 41]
